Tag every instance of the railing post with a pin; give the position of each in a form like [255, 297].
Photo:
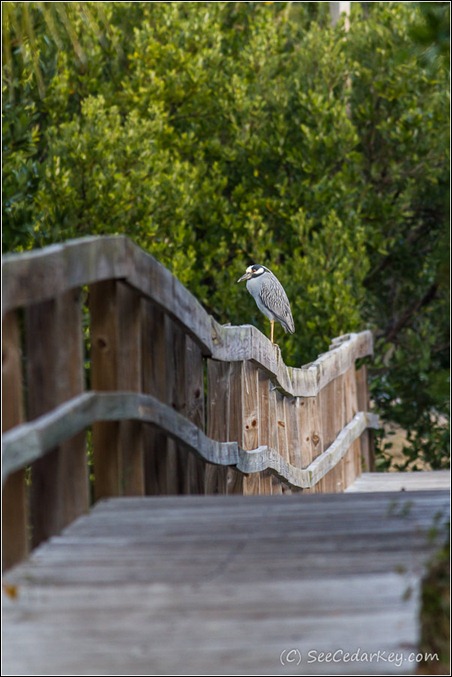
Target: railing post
[367, 440]
[195, 412]
[104, 376]
[248, 435]
[310, 431]
[255, 398]
[129, 379]
[14, 494]
[224, 420]
[172, 372]
[54, 348]
[153, 383]
[331, 399]
[352, 460]
[267, 480]
[116, 365]
[174, 457]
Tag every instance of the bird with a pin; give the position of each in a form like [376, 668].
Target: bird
[270, 297]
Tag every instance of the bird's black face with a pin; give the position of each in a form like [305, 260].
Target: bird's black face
[253, 271]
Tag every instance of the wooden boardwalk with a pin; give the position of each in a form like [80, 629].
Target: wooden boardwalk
[258, 585]
[401, 481]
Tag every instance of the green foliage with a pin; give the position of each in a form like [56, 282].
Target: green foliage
[401, 113]
[435, 602]
[220, 134]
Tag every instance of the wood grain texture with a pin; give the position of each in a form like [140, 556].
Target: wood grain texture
[35, 276]
[153, 382]
[104, 328]
[129, 377]
[426, 480]
[264, 384]
[224, 585]
[221, 377]
[363, 403]
[116, 364]
[54, 358]
[14, 495]
[195, 412]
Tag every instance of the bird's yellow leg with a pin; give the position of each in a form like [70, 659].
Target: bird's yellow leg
[272, 329]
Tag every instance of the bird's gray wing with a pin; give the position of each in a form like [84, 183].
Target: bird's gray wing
[275, 299]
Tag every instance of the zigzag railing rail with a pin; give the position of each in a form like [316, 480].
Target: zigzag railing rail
[30, 441]
[164, 378]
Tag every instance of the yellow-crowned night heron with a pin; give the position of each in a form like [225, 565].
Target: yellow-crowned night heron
[270, 297]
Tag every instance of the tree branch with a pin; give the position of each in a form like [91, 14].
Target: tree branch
[391, 332]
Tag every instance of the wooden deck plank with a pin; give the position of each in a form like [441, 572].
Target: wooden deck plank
[402, 481]
[225, 585]
[188, 617]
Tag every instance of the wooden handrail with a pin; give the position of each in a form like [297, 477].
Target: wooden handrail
[30, 441]
[94, 259]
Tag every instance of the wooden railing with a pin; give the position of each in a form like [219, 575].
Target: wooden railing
[113, 373]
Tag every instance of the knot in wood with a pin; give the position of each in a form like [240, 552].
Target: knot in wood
[102, 343]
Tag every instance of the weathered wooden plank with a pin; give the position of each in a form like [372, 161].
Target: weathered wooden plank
[310, 429]
[266, 478]
[103, 307]
[235, 421]
[54, 350]
[363, 404]
[36, 276]
[129, 378]
[273, 610]
[292, 406]
[220, 377]
[154, 383]
[173, 455]
[202, 574]
[217, 416]
[352, 462]
[247, 343]
[14, 494]
[116, 365]
[195, 412]
[274, 437]
[280, 609]
[331, 406]
[12, 400]
[425, 480]
[249, 419]
[281, 427]
[74, 482]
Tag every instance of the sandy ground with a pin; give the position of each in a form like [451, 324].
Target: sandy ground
[398, 440]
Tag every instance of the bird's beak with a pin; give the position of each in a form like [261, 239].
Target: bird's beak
[244, 277]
